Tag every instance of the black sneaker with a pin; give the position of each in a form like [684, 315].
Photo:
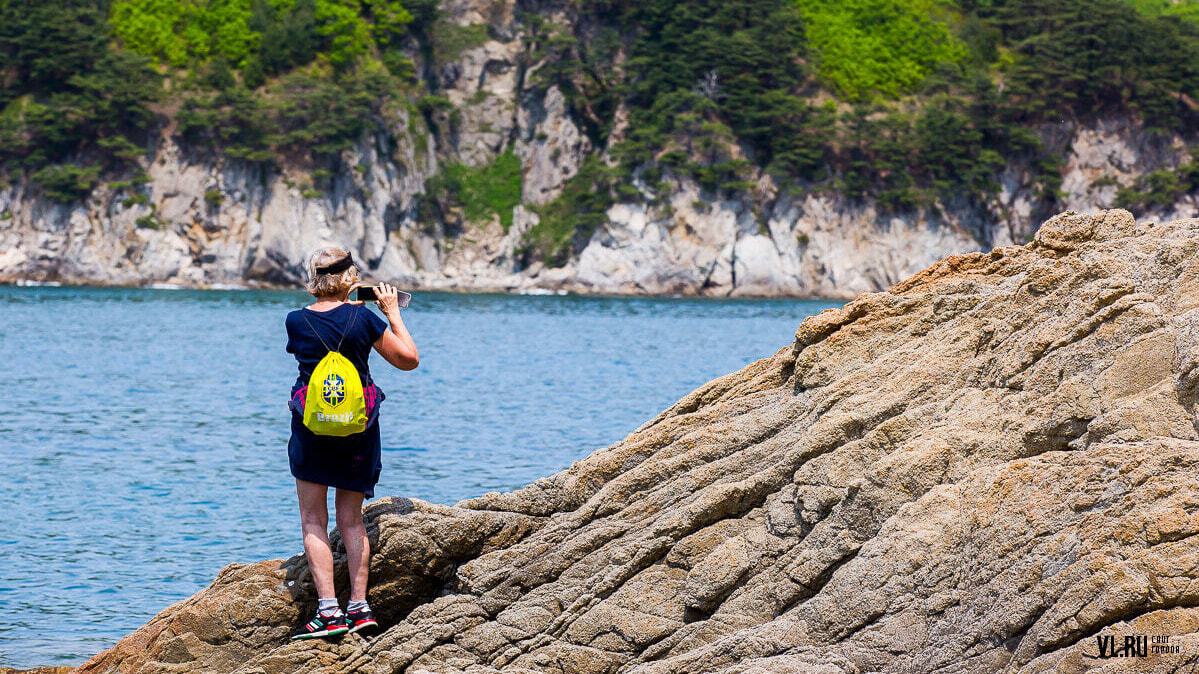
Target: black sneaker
[361, 620]
[322, 626]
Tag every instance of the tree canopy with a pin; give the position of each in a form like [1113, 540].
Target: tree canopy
[906, 102]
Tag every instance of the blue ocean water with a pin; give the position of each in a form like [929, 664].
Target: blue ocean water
[143, 432]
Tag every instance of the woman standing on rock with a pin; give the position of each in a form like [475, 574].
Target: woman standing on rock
[348, 461]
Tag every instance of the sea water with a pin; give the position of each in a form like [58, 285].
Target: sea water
[143, 432]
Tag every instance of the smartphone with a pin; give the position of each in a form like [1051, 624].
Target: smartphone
[368, 294]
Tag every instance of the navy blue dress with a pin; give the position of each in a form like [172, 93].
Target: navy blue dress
[352, 462]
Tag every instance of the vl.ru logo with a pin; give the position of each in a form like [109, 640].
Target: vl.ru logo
[1135, 646]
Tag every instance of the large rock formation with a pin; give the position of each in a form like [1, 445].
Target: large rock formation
[205, 220]
[990, 467]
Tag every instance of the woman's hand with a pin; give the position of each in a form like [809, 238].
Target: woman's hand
[387, 299]
[350, 293]
[395, 345]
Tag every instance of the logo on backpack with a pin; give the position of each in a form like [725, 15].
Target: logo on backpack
[334, 391]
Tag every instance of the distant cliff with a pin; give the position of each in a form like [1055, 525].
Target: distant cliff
[504, 172]
[988, 467]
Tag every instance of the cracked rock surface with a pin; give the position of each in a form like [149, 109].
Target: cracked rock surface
[984, 468]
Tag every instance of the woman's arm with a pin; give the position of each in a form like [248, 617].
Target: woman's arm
[395, 345]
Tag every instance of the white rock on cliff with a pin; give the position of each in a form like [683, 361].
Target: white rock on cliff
[209, 220]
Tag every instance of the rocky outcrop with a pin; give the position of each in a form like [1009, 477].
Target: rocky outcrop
[207, 221]
[989, 467]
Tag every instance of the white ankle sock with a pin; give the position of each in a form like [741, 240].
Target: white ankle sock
[327, 607]
[358, 606]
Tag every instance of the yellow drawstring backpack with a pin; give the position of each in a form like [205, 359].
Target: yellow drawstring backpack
[335, 403]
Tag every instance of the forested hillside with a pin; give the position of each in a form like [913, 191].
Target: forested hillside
[909, 105]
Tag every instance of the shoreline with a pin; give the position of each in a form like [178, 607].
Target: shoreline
[453, 290]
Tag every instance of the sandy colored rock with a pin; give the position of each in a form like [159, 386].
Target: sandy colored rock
[993, 466]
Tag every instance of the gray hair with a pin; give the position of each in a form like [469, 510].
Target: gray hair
[330, 285]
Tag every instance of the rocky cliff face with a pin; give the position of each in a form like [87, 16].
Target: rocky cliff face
[989, 467]
[204, 220]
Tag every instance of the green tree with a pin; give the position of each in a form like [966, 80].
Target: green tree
[76, 96]
[289, 35]
[1098, 57]
[44, 43]
[888, 47]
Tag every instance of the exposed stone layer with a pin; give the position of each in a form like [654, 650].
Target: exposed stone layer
[982, 469]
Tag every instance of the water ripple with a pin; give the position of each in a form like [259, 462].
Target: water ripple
[157, 453]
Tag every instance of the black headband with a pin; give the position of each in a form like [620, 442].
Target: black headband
[334, 267]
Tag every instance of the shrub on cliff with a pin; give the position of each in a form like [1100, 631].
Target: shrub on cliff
[1161, 189]
[67, 182]
[483, 192]
[258, 36]
[567, 223]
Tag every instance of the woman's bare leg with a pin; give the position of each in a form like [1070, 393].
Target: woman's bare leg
[353, 534]
[314, 522]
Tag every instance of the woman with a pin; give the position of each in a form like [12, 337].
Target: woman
[350, 464]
